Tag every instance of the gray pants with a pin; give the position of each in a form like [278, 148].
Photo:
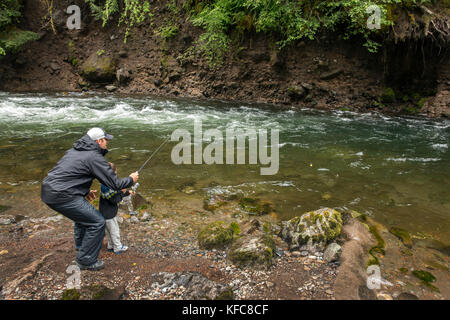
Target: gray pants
[113, 234]
[89, 229]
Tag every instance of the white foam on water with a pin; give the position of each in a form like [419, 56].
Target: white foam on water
[439, 146]
[294, 144]
[361, 165]
[413, 159]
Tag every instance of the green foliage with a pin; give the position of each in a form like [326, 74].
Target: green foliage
[288, 20]
[167, 32]
[12, 38]
[388, 95]
[9, 13]
[169, 29]
[235, 227]
[132, 12]
[103, 11]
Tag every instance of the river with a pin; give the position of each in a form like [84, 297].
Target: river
[395, 169]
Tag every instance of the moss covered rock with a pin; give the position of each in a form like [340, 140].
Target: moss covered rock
[255, 206]
[215, 235]
[388, 95]
[99, 68]
[312, 228]
[94, 292]
[252, 250]
[70, 294]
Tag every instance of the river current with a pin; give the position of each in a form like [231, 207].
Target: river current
[395, 169]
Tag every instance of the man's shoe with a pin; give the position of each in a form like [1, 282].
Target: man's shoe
[99, 265]
[122, 249]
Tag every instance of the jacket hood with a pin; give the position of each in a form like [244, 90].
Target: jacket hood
[87, 144]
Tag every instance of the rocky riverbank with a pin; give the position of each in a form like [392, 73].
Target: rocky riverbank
[168, 258]
[325, 74]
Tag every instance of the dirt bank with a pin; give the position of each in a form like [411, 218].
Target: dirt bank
[326, 74]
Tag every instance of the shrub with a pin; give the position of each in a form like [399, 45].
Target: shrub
[289, 20]
[12, 38]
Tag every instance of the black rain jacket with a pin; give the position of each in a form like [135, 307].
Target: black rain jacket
[109, 201]
[73, 175]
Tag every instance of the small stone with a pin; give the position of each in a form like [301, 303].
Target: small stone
[331, 74]
[279, 252]
[134, 219]
[54, 66]
[296, 253]
[123, 53]
[332, 252]
[384, 296]
[6, 220]
[111, 88]
[407, 296]
[329, 292]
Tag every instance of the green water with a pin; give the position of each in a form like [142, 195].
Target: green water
[394, 169]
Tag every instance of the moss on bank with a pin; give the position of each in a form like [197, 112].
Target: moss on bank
[403, 235]
[378, 251]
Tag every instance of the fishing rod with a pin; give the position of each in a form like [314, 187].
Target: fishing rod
[127, 199]
[153, 154]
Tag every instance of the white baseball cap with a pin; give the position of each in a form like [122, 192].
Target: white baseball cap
[98, 133]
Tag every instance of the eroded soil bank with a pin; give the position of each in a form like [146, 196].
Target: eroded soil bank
[329, 73]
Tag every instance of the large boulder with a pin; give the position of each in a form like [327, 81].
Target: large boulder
[312, 230]
[99, 68]
[252, 250]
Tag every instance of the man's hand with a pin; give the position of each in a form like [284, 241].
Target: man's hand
[91, 195]
[131, 192]
[134, 176]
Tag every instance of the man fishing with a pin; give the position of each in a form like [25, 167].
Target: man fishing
[69, 182]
